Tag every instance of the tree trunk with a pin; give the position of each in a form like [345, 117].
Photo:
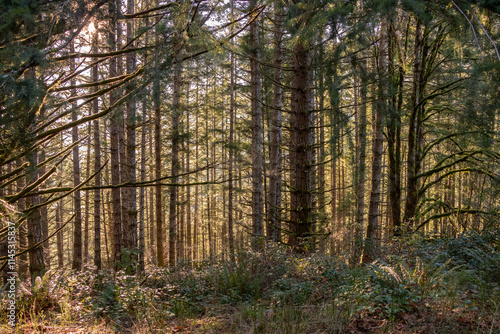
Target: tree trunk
[256, 112]
[370, 247]
[189, 227]
[196, 195]
[360, 173]
[152, 190]
[77, 230]
[176, 113]
[21, 206]
[87, 199]
[413, 133]
[43, 210]
[130, 232]
[181, 209]
[332, 86]
[274, 210]
[121, 122]
[59, 236]
[158, 200]
[36, 260]
[321, 154]
[394, 134]
[97, 164]
[230, 186]
[301, 151]
[114, 141]
[142, 193]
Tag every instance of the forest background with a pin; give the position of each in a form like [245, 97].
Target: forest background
[250, 166]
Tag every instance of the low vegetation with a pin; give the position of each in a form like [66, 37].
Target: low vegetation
[425, 286]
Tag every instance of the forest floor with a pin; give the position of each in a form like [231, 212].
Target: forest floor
[432, 285]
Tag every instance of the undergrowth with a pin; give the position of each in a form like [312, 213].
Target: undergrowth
[420, 285]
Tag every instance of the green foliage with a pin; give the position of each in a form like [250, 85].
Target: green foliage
[479, 252]
[16, 15]
[236, 284]
[277, 292]
[20, 100]
[128, 261]
[291, 291]
[42, 299]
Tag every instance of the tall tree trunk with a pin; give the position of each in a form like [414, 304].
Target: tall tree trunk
[114, 139]
[332, 83]
[152, 190]
[21, 206]
[158, 200]
[87, 199]
[370, 249]
[189, 225]
[34, 228]
[256, 112]
[142, 193]
[394, 133]
[176, 113]
[196, 195]
[224, 220]
[360, 173]
[274, 210]
[59, 236]
[232, 112]
[213, 200]
[181, 210]
[34, 219]
[301, 151]
[130, 229]
[97, 164]
[44, 210]
[207, 189]
[36, 260]
[413, 131]
[108, 229]
[77, 229]
[121, 121]
[321, 153]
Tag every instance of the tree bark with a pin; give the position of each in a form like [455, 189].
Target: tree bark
[121, 122]
[158, 196]
[230, 186]
[77, 229]
[21, 206]
[176, 113]
[256, 112]
[413, 132]
[97, 164]
[274, 210]
[36, 259]
[321, 154]
[360, 173]
[114, 141]
[142, 193]
[87, 199]
[301, 151]
[189, 225]
[196, 226]
[152, 190]
[370, 247]
[332, 83]
[43, 210]
[394, 134]
[130, 232]
[59, 237]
